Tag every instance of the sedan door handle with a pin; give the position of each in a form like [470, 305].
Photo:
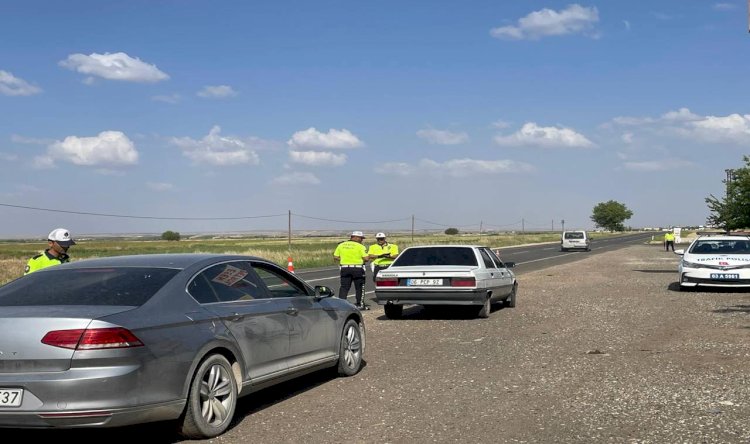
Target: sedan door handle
[292, 311]
[237, 317]
[492, 275]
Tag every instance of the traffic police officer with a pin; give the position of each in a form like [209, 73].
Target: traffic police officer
[382, 254]
[351, 256]
[59, 241]
[669, 240]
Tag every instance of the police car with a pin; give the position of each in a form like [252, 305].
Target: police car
[715, 261]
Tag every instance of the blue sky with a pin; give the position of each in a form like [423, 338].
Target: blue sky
[455, 112]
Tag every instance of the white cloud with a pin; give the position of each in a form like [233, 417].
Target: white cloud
[117, 66]
[107, 149]
[296, 179]
[681, 115]
[160, 186]
[627, 138]
[43, 162]
[170, 98]
[8, 157]
[575, 19]
[547, 137]
[733, 128]
[333, 139]
[217, 150]
[454, 167]
[217, 92]
[443, 137]
[14, 86]
[317, 158]
[657, 165]
[627, 24]
[724, 6]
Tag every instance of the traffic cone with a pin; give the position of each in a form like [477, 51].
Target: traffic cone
[290, 265]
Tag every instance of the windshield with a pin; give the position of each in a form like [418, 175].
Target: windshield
[574, 235]
[437, 256]
[86, 286]
[730, 246]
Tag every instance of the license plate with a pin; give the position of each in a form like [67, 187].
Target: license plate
[10, 397]
[424, 282]
[725, 277]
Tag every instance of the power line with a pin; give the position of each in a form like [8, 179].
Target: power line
[126, 216]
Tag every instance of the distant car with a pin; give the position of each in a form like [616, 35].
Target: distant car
[575, 240]
[446, 275]
[715, 261]
[132, 339]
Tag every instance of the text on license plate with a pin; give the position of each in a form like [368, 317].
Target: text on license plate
[10, 397]
[411, 282]
[724, 276]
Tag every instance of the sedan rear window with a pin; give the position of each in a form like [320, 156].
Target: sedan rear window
[574, 235]
[86, 286]
[437, 256]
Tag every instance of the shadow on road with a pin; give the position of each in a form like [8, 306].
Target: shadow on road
[440, 312]
[656, 271]
[743, 308]
[675, 286]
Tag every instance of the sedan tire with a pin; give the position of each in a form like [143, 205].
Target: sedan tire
[510, 301]
[393, 311]
[211, 401]
[484, 311]
[350, 354]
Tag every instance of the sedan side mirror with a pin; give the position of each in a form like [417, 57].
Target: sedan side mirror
[679, 252]
[323, 291]
[510, 264]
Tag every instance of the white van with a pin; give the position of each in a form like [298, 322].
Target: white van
[571, 240]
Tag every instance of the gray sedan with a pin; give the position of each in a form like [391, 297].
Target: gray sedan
[446, 275]
[133, 339]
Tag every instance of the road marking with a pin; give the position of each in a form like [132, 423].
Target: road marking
[553, 248]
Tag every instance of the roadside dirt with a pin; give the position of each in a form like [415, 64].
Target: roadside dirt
[600, 350]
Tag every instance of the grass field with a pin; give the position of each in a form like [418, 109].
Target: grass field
[307, 252]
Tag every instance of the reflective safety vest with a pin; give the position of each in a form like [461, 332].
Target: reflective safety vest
[669, 237]
[351, 253]
[44, 260]
[376, 250]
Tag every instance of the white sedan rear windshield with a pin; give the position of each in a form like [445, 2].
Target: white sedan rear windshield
[730, 246]
[86, 286]
[436, 256]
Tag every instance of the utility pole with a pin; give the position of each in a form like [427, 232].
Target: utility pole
[553, 224]
[523, 226]
[412, 228]
[289, 233]
[480, 228]
[563, 224]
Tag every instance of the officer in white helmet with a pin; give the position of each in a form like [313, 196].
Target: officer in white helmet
[59, 240]
[351, 256]
[382, 254]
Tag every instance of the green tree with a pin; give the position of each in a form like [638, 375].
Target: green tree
[170, 235]
[610, 215]
[451, 231]
[733, 210]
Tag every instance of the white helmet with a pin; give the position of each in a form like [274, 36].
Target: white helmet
[380, 236]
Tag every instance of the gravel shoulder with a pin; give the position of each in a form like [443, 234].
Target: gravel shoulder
[600, 350]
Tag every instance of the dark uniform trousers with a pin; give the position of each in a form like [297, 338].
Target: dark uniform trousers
[351, 274]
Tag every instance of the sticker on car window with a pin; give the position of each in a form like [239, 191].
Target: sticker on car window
[230, 276]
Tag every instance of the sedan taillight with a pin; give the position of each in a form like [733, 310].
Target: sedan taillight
[463, 282]
[386, 282]
[92, 338]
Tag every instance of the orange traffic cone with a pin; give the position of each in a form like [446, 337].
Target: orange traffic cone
[290, 265]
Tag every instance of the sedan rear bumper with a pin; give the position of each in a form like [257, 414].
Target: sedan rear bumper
[432, 297]
[95, 418]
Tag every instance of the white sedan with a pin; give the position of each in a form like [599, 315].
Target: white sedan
[446, 275]
[715, 261]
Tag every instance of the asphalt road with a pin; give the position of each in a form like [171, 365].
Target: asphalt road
[527, 258]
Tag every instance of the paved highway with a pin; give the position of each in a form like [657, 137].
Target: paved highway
[526, 257]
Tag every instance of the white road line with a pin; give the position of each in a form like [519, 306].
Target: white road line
[553, 248]
[320, 279]
[542, 259]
